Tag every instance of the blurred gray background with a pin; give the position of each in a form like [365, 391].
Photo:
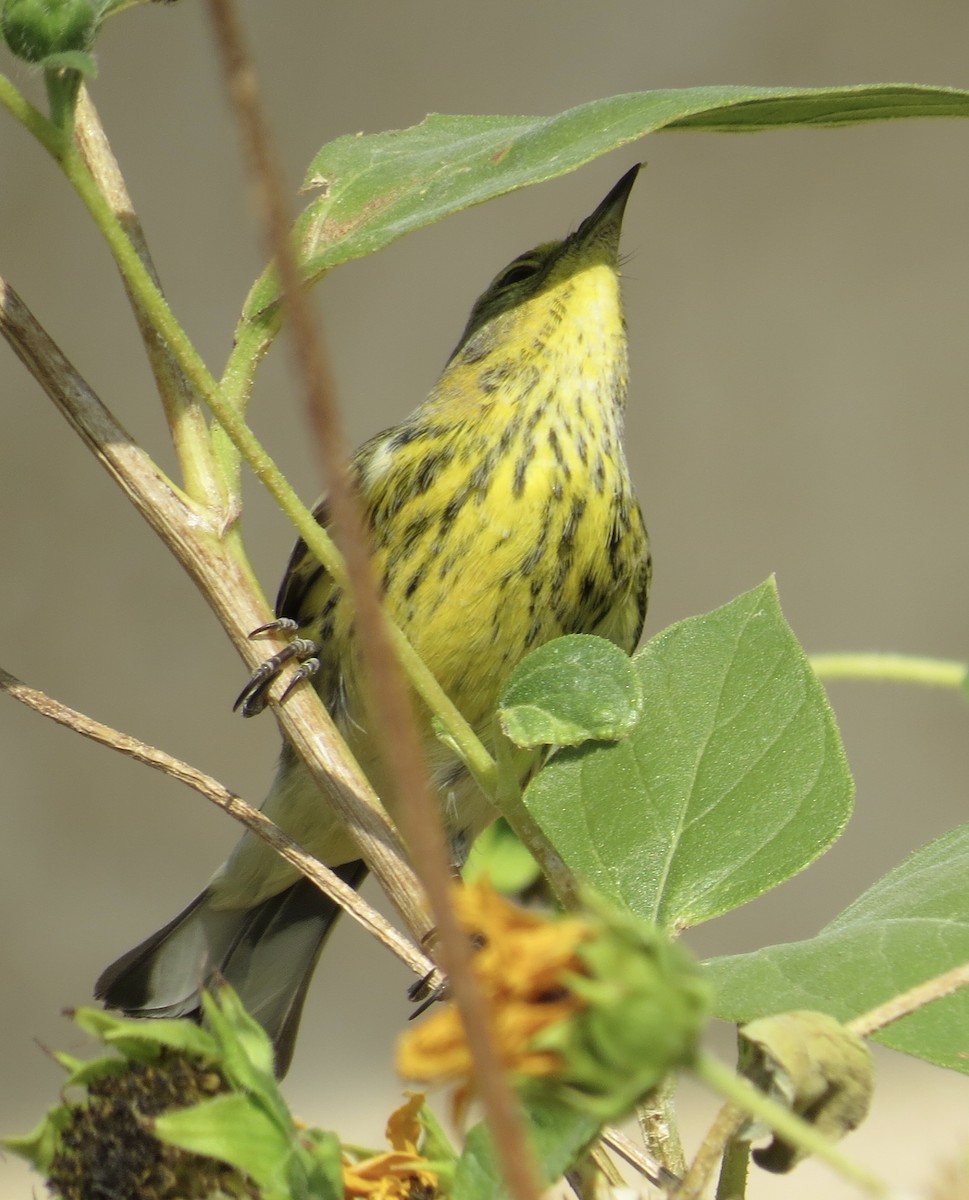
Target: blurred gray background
[797, 309]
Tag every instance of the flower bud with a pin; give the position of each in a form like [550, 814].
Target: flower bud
[36, 29]
[645, 1004]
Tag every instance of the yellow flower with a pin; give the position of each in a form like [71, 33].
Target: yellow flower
[522, 964]
[399, 1173]
[598, 1007]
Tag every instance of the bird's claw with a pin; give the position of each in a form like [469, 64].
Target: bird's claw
[277, 625]
[255, 695]
[428, 990]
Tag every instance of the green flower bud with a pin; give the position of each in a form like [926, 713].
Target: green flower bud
[646, 1006]
[814, 1065]
[36, 29]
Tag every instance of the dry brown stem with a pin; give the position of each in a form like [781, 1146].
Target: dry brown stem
[234, 805]
[194, 535]
[393, 702]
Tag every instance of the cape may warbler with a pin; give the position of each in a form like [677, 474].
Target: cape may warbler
[501, 515]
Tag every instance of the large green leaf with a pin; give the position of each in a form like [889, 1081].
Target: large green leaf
[909, 927]
[375, 188]
[733, 779]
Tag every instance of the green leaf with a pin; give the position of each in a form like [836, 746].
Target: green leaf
[84, 1073]
[376, 188]
[321, 1159]
[498, 855]
[733, 780]
[912, 925]
[144, 1040]
[245, 1051]
[235, 1130]
[558, 1133]
[435, 1145]
[572, 690]
[246, 1060]
[72, 60]
[40, 1145]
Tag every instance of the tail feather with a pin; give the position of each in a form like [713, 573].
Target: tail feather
[267, 953]
[272, 963]
[163, 975]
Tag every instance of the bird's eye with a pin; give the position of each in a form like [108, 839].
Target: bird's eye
[516, 273]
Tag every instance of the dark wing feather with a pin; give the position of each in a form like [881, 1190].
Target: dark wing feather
[303, 573]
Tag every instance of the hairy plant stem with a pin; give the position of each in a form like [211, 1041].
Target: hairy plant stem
[891, 668]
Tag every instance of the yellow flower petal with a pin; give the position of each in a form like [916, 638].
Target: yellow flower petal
[397, 1174]
[403, 1124]
[523, 961]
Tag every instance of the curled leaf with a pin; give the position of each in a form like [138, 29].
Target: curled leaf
[817, 1067]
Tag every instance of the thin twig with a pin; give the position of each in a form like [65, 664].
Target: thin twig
[393, 705]
[187, 416]
[229, 590]
[227, 408]
[724, 1129]
[346, 896]
[650, 1168]
[908, 1002]
[594, 1176]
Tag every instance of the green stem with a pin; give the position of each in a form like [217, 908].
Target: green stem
[720, 1138]
[503, 783]
[895, 668]
[61, 148]
[732, 1184]
[62, 88]
[657, 1121]
[188, 418]
[254, 334]
[153, 305]
[137, 277]
[170, 331]
[786, 1124]
[50, 137]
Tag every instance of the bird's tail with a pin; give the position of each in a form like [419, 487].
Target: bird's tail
[267, 953]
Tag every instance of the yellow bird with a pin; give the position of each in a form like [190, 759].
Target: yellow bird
[500, 515]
